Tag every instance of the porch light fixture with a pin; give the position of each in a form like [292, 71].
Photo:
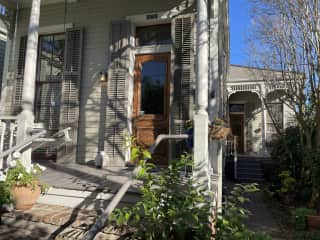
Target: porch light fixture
[103, 77]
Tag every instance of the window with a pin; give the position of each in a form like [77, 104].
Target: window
[153, 35]
[153, 80]
[274, 119]
[49, 80]
[236, 108]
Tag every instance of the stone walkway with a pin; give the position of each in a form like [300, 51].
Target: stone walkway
[53, 222]
[262, 219]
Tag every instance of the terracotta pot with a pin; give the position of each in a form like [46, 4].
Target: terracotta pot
[313, 222]
[24, 197]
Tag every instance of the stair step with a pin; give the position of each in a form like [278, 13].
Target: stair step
[250, 180]
[84, 199]
[245, 169]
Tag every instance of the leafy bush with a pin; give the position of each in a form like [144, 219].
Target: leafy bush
[5, 194]
[288, 152]
[171, 206]
[304, 235]
[136, 152]
[230, 223]
[288, 183]
[300, 217]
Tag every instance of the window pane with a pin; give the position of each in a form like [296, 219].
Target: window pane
[45, 58]
[48, 104]
[153, 35]
[49, 80]
[58, 55]
[236, 108]
[153, 78]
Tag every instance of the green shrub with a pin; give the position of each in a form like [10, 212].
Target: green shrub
[300, 218]
[171, 206]
[288, 152]
[288, 183]
[5, 194]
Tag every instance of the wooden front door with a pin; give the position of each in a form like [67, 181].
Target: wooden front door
[151, 102]
[237, 127]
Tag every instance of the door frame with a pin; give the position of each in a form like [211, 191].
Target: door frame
[243, 128]
[152, 121]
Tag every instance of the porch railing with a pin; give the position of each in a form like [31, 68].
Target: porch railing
[9, 145]
[8, 128]
[231, 151]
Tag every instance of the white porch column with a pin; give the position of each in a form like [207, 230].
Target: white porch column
[264, 118]
[201, 162]
[26, 117]
[215, 101]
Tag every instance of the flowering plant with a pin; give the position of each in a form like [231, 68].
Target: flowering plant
[18, 175]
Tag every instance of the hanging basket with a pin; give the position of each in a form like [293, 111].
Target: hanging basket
[219, 130]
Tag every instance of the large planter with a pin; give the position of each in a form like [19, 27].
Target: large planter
[313, 222]
[25, 196]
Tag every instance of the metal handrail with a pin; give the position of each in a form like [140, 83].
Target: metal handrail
[235, 156]
[124, 188]
[21, 146]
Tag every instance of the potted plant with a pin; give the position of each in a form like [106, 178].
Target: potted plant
[24, 184]
[300, 215]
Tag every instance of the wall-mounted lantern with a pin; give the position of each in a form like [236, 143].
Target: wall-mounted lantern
[103, 77]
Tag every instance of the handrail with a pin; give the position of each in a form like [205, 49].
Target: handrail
[235, 157]
[8, 118]
[22, 145]
[32, 139]
[124, 188]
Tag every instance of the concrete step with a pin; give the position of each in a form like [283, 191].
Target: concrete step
[84, 199]
[249, 164]
[249, 169]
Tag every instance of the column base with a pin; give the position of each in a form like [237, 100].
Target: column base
[201, 158]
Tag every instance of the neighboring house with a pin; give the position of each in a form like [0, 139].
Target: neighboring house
[145, 50]
[249, 91]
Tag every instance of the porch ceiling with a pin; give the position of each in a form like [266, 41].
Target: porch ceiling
[27, 3]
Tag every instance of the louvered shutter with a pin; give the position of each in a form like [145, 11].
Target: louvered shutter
[183, 73]
[120, 76]
[69, 111]
[19, 77]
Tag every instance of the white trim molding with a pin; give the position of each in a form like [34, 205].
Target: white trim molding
[153, 49]
[51, 29]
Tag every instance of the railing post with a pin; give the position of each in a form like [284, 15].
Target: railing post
[235, 153]
[2, 136]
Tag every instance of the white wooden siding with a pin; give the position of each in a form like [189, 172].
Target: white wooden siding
[95, 17]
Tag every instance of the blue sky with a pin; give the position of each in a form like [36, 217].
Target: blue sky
[239, 26]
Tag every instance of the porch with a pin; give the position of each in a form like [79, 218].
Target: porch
[255, 109]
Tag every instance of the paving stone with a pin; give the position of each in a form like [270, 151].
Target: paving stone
[71, 234]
